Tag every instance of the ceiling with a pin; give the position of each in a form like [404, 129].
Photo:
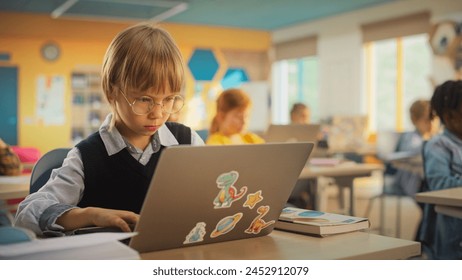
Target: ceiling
[249, 14]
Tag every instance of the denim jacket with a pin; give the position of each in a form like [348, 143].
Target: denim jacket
[443, 169]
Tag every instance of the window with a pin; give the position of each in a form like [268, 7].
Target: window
[294, 80]
[397, 73]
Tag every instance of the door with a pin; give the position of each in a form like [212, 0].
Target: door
[9, 104]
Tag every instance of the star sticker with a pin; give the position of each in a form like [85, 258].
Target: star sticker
[253, 199]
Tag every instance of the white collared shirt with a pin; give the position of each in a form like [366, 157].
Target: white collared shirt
[64, 189]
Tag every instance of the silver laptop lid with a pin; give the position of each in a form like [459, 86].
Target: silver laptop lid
[293, 133]
[206, 194]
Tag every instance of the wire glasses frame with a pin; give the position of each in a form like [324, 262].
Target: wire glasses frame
[143, 105]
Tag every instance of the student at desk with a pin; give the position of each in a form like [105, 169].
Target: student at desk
[104, 179]
[405, 182]
[301, 195]
[229, 124]
[300, 114]
[442, 235]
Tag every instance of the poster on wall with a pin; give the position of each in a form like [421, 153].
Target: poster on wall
[50, 99]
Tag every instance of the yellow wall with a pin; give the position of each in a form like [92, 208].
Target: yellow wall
[83, 43]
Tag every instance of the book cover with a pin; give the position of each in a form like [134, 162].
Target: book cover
[318, 223]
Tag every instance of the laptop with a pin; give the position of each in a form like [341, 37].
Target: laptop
[293, 133]
[348, 133]
[207, 194]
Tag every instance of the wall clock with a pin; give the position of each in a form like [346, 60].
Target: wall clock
[50, 51]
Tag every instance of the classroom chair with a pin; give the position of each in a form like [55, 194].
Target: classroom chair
[42, 169]
[387, 142]
[203, 133]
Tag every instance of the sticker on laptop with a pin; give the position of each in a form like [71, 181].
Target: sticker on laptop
[196, 234]
[226, 224]
[228, 192]
[253, 199]
[258, 223]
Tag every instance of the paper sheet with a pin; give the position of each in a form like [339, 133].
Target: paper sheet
[61, 243]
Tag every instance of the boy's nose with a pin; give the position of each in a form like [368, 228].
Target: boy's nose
[156, 113]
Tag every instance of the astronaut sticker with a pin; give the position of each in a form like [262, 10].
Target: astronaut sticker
[253, 199]
[196, 234]
[258, 223]
[228, 192]
[226, 224]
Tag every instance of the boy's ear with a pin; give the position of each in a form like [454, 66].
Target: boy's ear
[448, 116]
[111, 97]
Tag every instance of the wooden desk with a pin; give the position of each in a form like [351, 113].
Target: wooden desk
[344, 174]
[14, 186]
[413, 164]
[447, 201]
[280, 245]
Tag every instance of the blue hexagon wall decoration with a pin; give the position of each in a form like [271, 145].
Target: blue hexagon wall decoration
[234, 77]
[203, 65]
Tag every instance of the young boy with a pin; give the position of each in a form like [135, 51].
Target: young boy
[443, 169]
[300, 114]
[405, 182]
[104, 179]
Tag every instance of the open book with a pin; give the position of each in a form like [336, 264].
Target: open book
[318, 223]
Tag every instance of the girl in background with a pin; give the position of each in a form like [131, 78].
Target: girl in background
[229, 124]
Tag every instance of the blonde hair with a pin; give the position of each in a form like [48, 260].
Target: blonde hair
[140, 58]
[228, 100]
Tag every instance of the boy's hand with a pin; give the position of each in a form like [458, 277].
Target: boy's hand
[113, 218]
[101, 217]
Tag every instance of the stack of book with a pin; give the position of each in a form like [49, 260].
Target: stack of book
[318, 223]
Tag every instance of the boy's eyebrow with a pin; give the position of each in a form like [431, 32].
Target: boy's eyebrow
[147, 93]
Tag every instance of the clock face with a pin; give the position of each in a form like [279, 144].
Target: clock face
[50, 51]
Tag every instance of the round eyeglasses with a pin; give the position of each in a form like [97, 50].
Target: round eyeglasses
[143, 105]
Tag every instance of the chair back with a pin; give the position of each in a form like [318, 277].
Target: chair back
[42, 169]
[203, 133]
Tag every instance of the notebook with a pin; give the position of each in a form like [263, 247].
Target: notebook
[207, 194]
[293, 133]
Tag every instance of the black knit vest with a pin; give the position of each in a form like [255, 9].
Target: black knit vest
[119, 181]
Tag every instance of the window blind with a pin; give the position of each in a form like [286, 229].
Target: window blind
[397, 27]
[302, 47]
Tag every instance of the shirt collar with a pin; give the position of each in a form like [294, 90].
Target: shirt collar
[452, 136]
[114, 142]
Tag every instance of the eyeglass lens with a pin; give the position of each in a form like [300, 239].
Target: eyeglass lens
[170, 104]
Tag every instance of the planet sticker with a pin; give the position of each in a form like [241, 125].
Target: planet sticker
[226, 224]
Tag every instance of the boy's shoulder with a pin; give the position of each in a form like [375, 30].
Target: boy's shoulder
[94, 138]
[443, 140]
[181, 132]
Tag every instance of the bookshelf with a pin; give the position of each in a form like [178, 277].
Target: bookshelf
[89, 107]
